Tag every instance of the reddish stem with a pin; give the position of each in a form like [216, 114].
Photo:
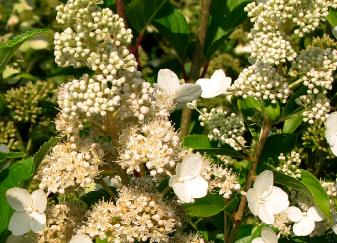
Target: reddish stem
[121, 11]
[134, 50]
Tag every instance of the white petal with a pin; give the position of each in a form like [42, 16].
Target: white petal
[168, 81]
[331, 128]
[187, 93]
[182, 192]
[80, 238]
[19, 223]
[19, 199]
[294, 214]
[4, 148]
[334, 32]
[39, 201]
[314, 214]
[269, 235]
[264, 183]
[266, 216]
[218, 75]
[334, 226]
[252, 199]
[190, 167]
[258, 240]
[277, 201]
[304, 227]
[198, 187]
[216, 85]
[334, 148]
[37, 221]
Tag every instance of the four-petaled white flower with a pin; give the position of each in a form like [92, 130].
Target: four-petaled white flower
[304, 221]
[266, 200]
[80, 238]
[188, 184]
[29, 210]
[216, 85]
[331, 132]
[267, 236]
[169, 82]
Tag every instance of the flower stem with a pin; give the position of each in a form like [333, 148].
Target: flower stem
[121, 11]
[238, 215]
[198, 60]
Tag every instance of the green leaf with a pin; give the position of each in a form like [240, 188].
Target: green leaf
[8, 48]
[292, 124]
[310, 187]
[272, 110]
[224, 150]
[332, 17]
[319, 195]
[141, 13]
[249, 106]
[292, 106]
[172, 24]
[13, 176]
[98, 240]
[207, 206]
[7, 158]
[200, 143]
[10, 155]
[38, 157]
[196, 141]
[224, 16]
[276, 144]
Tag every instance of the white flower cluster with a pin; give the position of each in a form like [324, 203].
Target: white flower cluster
[98, 39]
[316, 65]
[316, 109]
[330, 188]
[221, 179]
[276, 20]
[154, 145]
[261, 81]
[223, 127]
[67, 166]
[62, 219]
[314, 68]
[137, 216]
[290, 164]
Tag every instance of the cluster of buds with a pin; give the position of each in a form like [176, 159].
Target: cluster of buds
[223, 127]
[262, 82]
[276, 20]
[8, 135]
[25, 101]
[290, 164]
